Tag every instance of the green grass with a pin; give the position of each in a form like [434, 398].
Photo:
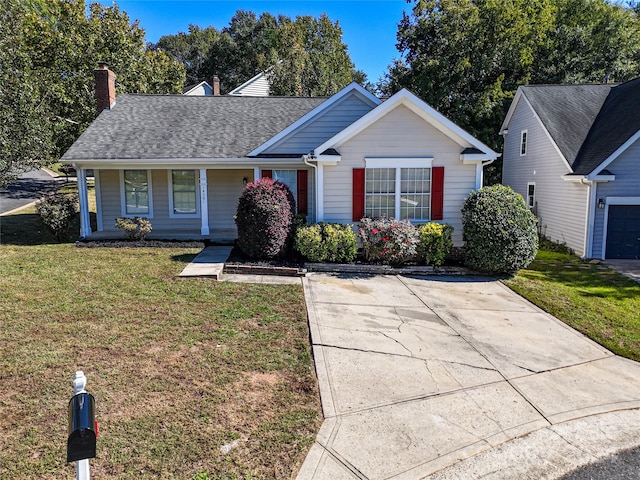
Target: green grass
[593, 299]
[179, 366]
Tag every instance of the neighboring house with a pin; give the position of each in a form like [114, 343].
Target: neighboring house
[573, 152]
[203, 89]
[183, 161]
[257, 86]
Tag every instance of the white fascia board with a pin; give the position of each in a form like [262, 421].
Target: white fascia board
[316, 111]
[602, 178]
[420, 108]
[615, 154]
[469, 158]
[575, 178]
[512, 108]
[329, 159]
[163, 163]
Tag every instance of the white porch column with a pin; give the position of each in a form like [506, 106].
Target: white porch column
[83, 197]
[256, 173]
[204, 202]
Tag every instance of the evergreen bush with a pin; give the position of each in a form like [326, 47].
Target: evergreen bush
[499, 231]
[57, 212]
[388, 241]
[435, 242]
[265, 219]
[136, 228]
[333, 243]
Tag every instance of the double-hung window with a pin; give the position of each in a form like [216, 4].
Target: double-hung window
[183, 194]
[531, 195]
[402, 191]
[523, 143]
[136, 193]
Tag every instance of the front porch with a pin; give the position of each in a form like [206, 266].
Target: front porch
[221, 236]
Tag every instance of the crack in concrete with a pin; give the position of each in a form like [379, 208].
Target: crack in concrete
[399, 343]
[470, 366]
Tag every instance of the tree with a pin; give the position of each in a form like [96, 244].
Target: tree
[467, 57]
[64, 46]
[305, 56]
[192, 49]
[314, 60]
[25, 139]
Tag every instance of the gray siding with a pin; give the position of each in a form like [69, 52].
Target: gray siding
[399, 133]
[627, 184]
[323, 127]
[109, 199]
[561, 206]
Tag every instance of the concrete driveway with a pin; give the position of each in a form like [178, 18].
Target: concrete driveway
[628, 268]
[455, 378]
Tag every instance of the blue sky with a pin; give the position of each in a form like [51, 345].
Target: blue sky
[369, 27]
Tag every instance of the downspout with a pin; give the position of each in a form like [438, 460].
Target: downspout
[480, 181]
[591, 195]
[305, 159]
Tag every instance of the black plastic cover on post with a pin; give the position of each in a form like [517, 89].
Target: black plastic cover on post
[81, 443]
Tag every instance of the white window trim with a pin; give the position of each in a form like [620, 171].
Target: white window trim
[172, 214]
[534, 195]
[524, 140]
[398, 164]
[123, 200]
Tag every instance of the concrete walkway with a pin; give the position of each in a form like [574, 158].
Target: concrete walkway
[458, 378]
[208, 263]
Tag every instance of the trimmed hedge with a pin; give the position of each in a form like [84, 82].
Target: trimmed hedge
[265, 219]
[333, 243]
[499, 231]
[435, 242]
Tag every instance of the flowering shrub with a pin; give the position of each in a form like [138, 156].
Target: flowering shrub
[326, 242]
[57, 212]
[265, 219]
[388, 241]
[435, 242]
[136, 228]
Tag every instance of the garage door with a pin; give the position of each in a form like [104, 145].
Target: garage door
[623, 231]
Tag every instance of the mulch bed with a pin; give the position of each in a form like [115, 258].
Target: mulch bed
[122, 243]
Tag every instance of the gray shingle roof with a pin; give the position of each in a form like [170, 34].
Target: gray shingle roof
[177, 126]
[567, 112]
[587, 122]
[617, 121]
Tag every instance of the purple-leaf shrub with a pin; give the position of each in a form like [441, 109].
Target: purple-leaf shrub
[265, 219]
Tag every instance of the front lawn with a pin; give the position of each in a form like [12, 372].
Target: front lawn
[191, 377]
[591, 298]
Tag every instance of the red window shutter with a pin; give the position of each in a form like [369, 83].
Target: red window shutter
[267, 174]
[358, 194]
[437, 192]
[303, 187]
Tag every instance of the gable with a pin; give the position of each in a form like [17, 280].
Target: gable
[322, 127]
[478, 151]
[257, 86]
[329, 118]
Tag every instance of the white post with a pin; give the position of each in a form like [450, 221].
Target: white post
[82, 466]
[204, 202]
[83, 197]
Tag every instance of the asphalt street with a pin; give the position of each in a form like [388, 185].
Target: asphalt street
[28, 188]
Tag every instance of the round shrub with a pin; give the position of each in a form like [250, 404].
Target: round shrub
[265, 219]
[435, 242]
[499, 231]
[57, 212]
[333, 243]
[388, 241]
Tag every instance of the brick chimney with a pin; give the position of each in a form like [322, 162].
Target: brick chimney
[216, 86]
[105, 87]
